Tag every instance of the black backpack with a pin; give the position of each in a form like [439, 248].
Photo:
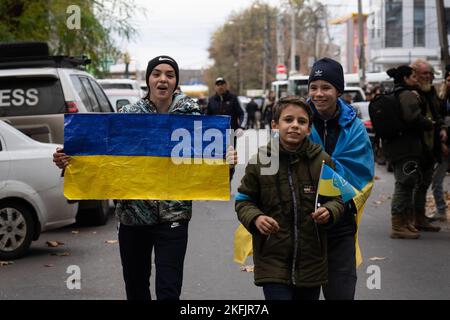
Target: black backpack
[386, 115]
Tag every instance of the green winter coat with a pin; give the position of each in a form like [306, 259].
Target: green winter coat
[296, 254]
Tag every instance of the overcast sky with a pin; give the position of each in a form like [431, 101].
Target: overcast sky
[182, 28]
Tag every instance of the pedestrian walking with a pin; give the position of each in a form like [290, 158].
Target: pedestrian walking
[289, 237]
[441, 168]
[226, 103]
[432, 141]
[406, 152]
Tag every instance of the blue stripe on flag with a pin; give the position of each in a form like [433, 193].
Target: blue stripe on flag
[128, 134]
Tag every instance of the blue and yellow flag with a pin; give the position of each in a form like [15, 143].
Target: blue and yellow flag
[331, 185]
[146, 156]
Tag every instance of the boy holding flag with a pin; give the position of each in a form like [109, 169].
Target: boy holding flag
[288, 230]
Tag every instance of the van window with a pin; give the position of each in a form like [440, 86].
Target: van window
[90, 94]
[22, 96]
[102, 99]
[81, 92]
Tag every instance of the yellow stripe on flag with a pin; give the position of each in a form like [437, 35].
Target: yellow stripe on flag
[326, 188]
[360, 200]
[144, 177]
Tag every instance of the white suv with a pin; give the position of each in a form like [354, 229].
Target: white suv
[37, 89]
[34, 99]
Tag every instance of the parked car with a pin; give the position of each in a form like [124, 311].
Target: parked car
[123, 84]
[356, 94]
[36, 89]
[31, 192]
[122, 97]
[362, 111]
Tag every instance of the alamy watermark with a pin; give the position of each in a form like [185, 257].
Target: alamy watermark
[73, 282]
[209, 147]
[73, 21]
[374, 280]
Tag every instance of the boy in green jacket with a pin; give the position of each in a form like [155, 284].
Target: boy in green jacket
[289, 236]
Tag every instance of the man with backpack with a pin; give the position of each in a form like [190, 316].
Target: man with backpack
[400, 119]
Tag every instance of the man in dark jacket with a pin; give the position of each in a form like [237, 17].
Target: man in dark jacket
[226, 103]
[252, 107]
[431, 139]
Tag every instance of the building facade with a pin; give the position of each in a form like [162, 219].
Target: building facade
[400, 31]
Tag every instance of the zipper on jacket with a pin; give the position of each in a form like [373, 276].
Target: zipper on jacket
[325, 134]
[294, 202]
[315, 224]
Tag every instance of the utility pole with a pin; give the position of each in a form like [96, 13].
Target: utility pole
[442, 29]
[280, 39]
[362, 56]
[265, 49]
[240, 58]
[293, 42]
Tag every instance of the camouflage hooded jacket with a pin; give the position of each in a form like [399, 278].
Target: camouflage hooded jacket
[151, 212]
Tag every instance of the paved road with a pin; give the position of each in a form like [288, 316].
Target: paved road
[410, 269]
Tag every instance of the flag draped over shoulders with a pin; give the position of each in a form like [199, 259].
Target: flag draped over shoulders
[353, 159]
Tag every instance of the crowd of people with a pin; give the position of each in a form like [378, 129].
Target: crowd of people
[300, 246]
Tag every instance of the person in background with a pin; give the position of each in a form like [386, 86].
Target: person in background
[252, 107]
[226, 103]
[202, 103]
[433, 141]
[407, 153]
[267, 110]
[440, 170]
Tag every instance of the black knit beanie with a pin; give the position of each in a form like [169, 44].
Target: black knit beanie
[160, 60]
[328, 70]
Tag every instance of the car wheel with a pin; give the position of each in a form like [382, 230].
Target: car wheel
[97, 215]
[16, 230]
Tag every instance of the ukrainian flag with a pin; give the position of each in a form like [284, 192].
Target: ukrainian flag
[331, 185]
[146, 156]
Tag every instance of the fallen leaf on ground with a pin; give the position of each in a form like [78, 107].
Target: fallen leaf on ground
[377, 202]
[75, 232]
[54, 244]
[5, 263]
[60, 254]
[111, 241]
[247, 268]
[376, 178]
[377, 258]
